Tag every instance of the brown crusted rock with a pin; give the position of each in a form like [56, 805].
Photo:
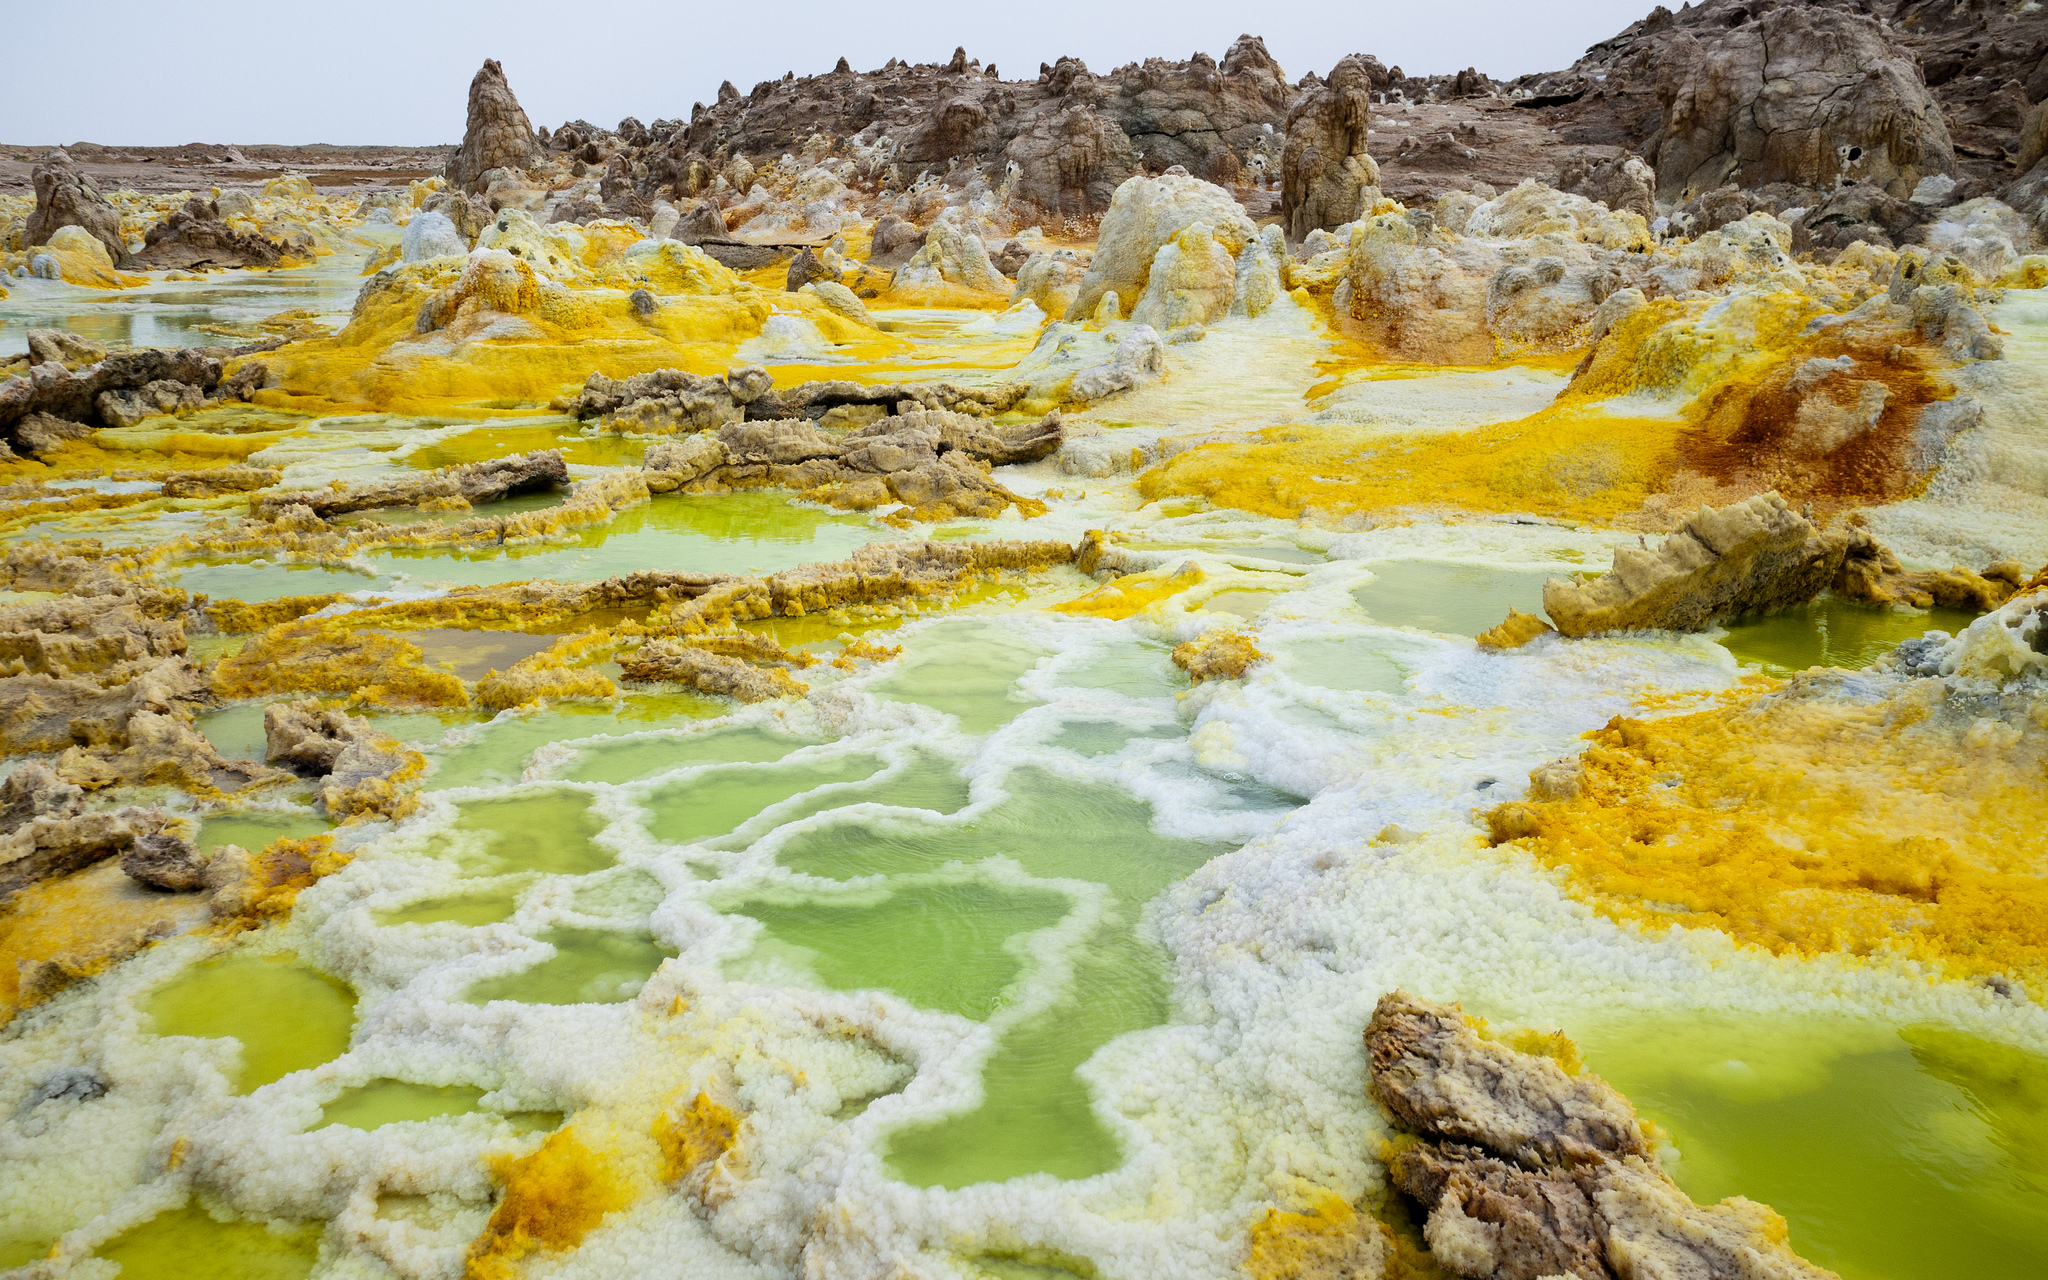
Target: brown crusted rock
[67, 349]
[1325, 171]
[1749, 557]
[1655, 1231]
[217, 481]
[498, 135]
[804, 269]
[53, 845]
[708, 672]
[791, 440]
[164, 861]
[703, 222]
[42, 432]
[1490, 1218]
[163, 397]
[466, 483]
[196, 235]
[1219, 655]
[33, 791]
[366, 770]
[67, 198]
[1439, 1078]
[673, 463]
[1623, 183]
[1807, 95]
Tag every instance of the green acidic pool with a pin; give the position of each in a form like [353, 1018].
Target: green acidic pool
[590, 966]
[1832, 632]
[972, 895]
[1455, 599]
[287, 1017]
[383, 1102]
[183, 1243]
[1892, 1154]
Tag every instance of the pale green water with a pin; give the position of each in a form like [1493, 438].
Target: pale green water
[1036, 1116]
[286, 1017]
[257, 828]
[732, 533]
[183, 1243]
[966, 668]
[383, 1102]
[1456, 599]
[1832, 632]
[1891, 1154]
[590, 966]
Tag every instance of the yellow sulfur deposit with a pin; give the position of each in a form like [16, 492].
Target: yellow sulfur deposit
[1801, 823]
[700, 1132]
[551, 1200]
[1327, 1240]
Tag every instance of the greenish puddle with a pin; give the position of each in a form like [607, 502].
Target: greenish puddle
[1454, 599]
[287, 1017]
[255, 830]
[964, 667]
[1368, 664]
[236, 732]
[182, 1243]
[737, 532]
[1141, 670]
[1106, 737]
[485, 906]
[1831, 632]
[383, 1102]
[495, 753]
[1891, 1154]
[972, 896]
[551, 832]
[590, 966]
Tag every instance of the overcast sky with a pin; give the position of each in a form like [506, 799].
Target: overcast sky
[147, 72]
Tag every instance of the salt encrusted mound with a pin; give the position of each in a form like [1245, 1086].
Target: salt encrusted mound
[1749, 557]
[67, 198]
[1146, 215]
[1326, 175]
[1527, 1170]
[45, 831]
[461, 485]
[498, 135]
[196, 235]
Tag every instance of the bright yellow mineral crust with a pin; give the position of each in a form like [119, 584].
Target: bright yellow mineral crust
[552, 1199]
[1809, 826]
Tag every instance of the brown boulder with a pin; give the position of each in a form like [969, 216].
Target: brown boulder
[65, 197]
[195, 235]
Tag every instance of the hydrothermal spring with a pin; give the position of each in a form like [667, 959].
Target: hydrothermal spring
[1002, 947]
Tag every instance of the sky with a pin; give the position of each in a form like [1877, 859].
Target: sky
[233, 71]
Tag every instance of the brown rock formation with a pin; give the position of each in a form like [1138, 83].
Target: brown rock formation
[498, 135]
[934, 462]
[195, 235]
[79, 396]
[1325, 170]
[364, 771]
[1529, 1170]
[1811, 96]
[165, 861]
[454, 487]
[668, 400]
[1745, 558]
[67, 198]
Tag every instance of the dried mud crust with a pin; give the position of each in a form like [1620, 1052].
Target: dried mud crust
[1527, 1170]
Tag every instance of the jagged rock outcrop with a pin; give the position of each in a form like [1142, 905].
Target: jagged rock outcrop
[498, 135]
[1325, 172]
[450, 488]
[121, 389]
[45, 832]
[670, 400]
[1526, 1169]
[164, 860]
[195, 235]
[1812, 96]
[1750, 557]
[934, 462]
[101, 677]
[363, 770]
[66, 197]
[54, 346]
